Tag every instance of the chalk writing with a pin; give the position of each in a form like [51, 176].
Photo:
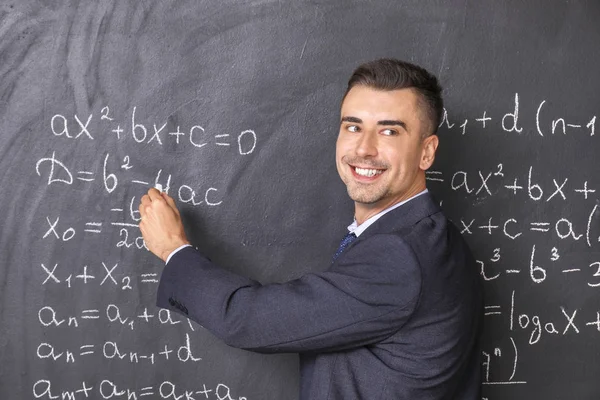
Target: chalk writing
[107, 389]
[550, 233]
[195, 135]
[543, 123]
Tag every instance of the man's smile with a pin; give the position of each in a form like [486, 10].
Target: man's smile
[372, 173]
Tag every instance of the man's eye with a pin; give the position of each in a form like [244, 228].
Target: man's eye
[353, 128]
[389, 132]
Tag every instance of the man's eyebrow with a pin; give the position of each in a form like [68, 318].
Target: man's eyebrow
[352, 119]
[391, 122]
[385, 122]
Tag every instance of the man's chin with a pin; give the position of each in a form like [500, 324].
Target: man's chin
[359, 196]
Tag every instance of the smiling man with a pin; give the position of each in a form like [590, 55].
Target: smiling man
[398, 313]
[384, 146]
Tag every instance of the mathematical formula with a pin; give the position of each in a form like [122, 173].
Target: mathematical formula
[118, 221]
[546, 234]
[194, 136]
[108, 389]
[545, 125]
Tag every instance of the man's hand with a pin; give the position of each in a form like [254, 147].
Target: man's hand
[161, 224]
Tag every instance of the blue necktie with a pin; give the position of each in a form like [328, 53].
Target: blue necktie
[349, 238]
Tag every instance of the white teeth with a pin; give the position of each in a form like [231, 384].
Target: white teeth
[367, 172]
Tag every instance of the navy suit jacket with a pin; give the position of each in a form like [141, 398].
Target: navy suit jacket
[397, 316]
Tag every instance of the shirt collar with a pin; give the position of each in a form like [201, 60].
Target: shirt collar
[358, 229]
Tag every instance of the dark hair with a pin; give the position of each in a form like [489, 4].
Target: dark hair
[392, 74]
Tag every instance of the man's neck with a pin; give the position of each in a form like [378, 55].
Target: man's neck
[357, 229]
[363, 212]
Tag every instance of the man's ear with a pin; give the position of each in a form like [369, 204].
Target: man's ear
[430, 145]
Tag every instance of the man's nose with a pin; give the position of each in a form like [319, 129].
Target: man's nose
[367, 145]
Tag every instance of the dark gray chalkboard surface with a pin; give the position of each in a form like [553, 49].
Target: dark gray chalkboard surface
[233, 106]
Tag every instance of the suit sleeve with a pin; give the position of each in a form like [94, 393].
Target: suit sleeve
[366, 296]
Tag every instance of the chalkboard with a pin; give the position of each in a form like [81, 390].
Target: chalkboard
[233, 107]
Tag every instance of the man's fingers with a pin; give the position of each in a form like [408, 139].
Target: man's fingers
[145, 205]
[169, 201]
[153, 199]
[145, 201]
[154, 194]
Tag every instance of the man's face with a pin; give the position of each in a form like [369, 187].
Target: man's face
[380, 153]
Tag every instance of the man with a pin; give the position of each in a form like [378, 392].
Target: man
[398, 313]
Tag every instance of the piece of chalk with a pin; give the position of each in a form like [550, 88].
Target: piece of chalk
[158, 187]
